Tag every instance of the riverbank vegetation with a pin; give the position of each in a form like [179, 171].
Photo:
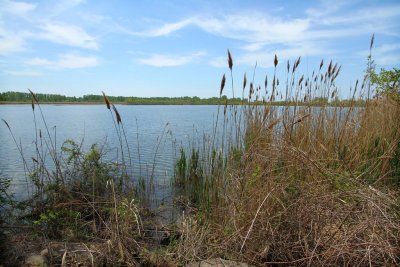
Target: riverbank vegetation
[291, 185]
[12, 97]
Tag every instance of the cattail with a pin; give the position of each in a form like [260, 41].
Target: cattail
[106, 100]
[301, 79]
[276, 61]
[298, 62]
[321, 64]
[334, 68]
[288, 66]
[33, 105]
[372, 41]
[222, 84]
[33, 95]
[251, 89]
[277, 82]
[244, 81]
[338, 71]
[117, 114]
[329, 68]
[230, 62]
[266, 82]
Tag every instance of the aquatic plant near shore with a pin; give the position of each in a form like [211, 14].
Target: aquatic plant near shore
[301, 185]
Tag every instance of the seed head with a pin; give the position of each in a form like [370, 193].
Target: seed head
[230, 62]
[372, 41]
[222, 85]
[117, 114]
[106, 100]
[33, 95]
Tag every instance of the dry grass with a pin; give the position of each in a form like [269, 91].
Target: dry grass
[313, 186]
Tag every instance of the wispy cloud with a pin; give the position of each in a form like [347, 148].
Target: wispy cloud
[164, 60]
[66, 61]
[10, 44]
[168, 28]
[11, 40]
[386, 54]
[66, 34]
[16, 8]
[259, 33]
[265, 58]
[23, 73]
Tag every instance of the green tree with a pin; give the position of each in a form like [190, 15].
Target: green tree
[387, 83]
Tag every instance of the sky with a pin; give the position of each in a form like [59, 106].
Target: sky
[179, 47]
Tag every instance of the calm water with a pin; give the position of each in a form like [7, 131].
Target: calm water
[155, 130]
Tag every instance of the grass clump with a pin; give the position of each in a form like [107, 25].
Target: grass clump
[302, 185]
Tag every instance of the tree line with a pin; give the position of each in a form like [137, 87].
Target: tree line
[21, 97]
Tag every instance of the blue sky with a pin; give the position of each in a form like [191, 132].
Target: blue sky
[178, 48]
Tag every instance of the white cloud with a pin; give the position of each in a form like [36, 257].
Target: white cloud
[168, 28]
[163, 60]
[265, 59]
[38, 62]
[16, 8]
[218, 62]
[68, 35]
[387, 54]
[24, 73]
[66, 61]
[257, 32]
[253, 28]
[71, 61]
[11, 44]
[376, 15]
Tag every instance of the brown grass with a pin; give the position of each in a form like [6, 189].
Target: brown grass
[312, 186]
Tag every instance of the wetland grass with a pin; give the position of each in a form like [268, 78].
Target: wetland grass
[297, 185]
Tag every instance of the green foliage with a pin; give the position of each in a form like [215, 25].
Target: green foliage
[62, 223]
[52, 98]
[387, 83]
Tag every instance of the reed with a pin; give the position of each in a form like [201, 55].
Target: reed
[302, 185]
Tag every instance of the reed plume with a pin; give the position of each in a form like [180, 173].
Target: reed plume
[106, 100]
[230, 62]
[222, 84]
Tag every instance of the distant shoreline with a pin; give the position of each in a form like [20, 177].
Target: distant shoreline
[102, 103]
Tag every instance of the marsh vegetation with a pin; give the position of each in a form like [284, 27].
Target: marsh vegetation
[294, 185]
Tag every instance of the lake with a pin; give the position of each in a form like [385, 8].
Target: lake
[154, 132]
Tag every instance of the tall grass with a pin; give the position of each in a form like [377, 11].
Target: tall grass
[77, 195]
[315, 182]
[302, 185]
